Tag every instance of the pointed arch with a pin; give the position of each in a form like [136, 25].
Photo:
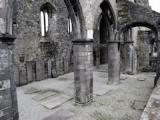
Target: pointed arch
[46, 11]
[77, 18]
[108, 11]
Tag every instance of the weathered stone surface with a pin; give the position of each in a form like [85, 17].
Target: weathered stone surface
[83, 72]
[141, 79]
[43, 95]
[138, 104]
[60, 115]
[123, 77]
[8, 98]
[40, 70]
[30, 71]
[23, 77]
[55, 101]
[144, 49]
[113, 64]
[31, 90]
[30, 45]
[49, 66]
[152, 110]
[16, 76]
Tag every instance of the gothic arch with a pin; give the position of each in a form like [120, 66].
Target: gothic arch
[104, 5]
[104, 26]
[77, 18]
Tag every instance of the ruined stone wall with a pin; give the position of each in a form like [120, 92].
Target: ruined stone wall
[8, 100]
[144, 50]
[144, 3]
[53, 52]
[31, 46]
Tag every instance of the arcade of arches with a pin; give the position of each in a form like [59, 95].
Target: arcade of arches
[53, 38]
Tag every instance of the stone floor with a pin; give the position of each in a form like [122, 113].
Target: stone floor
[52, 99]
[152, 110]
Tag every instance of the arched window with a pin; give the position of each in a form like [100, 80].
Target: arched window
[45, 14]
[69, 25]
[44, 23]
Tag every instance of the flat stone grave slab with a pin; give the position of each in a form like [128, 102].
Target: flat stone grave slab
[43, 95]
[60, 115]
[31, 90]
[55, 101]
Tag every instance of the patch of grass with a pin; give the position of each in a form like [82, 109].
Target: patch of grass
[101, 116]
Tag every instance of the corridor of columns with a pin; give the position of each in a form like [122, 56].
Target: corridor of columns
[79, 60]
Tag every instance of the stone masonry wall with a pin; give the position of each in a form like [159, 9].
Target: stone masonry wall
[55, 50]
[8, 95]
[30, 46]
[143, 50]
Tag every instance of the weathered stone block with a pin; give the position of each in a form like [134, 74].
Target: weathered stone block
[16, 75]
[23, 77]
[49, 66]
[30, 71]
[40, 70]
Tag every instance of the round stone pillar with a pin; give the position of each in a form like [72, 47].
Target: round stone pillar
[83, 71]
[113, 63]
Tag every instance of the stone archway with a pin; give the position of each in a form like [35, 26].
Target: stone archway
[77, 18]
[104, 44]
[131, 15]
[113, 48]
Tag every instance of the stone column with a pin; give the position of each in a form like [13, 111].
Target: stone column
[83, 71]
[113, 63]
[8, 95]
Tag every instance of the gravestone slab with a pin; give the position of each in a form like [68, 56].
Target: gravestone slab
[49, 68]
[43, 95]
[23, 77]
[31, 90]
[30, 71]
[40, 70]
[16, 75]
[55, 101]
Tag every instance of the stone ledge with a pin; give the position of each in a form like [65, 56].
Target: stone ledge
[152, 110]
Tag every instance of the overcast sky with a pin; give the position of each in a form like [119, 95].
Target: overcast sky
[155, 4]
